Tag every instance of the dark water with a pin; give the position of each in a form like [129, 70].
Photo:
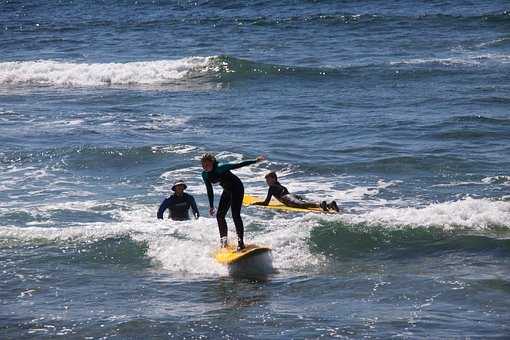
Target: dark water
[397, 110]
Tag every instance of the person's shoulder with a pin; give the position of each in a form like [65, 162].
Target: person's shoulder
[278, 186]
[187, 195]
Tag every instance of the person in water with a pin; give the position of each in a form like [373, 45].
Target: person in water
[179, 204]
[282, 194]
[232, 196]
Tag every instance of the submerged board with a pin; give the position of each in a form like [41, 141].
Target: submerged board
[249, 200]
[230, 255]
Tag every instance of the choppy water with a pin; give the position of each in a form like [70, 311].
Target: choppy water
[398, 110]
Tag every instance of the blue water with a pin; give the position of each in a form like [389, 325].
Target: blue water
[397, 110]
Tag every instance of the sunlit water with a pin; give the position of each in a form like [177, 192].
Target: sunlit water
[398, 111]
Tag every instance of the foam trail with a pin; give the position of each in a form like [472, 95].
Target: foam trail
[468, 213]
[184, 247]
[49, 72]
[465, 60]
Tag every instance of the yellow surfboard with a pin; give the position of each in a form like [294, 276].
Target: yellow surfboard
[249, 200]
[230, 255]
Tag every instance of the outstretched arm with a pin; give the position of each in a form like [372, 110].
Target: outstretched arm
[267, 200]
[232, 166]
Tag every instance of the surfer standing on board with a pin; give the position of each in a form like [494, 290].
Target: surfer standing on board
[295, 201]
[179, 203]
[232, 196]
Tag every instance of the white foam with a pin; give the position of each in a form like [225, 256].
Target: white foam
[494, 42]
[165, 122]
[440, 61]
[455, 184]
[15, 177]
[49, 72]
[192, 251]
[4, 112]
[58, 124]
[467, 60]
[186, 246]
[177, 149]
[494, 180]
[289, 239]
[468, 213]
[503, 180]
[20, 182]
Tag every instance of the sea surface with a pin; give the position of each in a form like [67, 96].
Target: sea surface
[398, 110]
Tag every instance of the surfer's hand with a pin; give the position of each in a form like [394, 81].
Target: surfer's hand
[260, 158]
[211, 211]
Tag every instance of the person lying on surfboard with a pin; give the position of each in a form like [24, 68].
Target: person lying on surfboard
[232, 196]
[179, 204]
[295, 201]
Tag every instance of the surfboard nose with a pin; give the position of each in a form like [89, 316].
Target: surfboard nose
[257, 267]
[254, 262]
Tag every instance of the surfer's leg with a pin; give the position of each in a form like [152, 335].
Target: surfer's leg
[223, 207]
[293, 201]
[237, 202]
[333, 206]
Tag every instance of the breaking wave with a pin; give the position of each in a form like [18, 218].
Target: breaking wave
[203, 70]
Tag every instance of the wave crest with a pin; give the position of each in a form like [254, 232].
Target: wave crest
[50, 72]
[206, 70]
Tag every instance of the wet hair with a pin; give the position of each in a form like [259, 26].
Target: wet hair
[207, 157]
[272, 174]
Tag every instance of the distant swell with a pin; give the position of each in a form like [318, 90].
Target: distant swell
[276, 19]
[477, 120]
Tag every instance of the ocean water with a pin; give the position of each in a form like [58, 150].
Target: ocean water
[398, 110]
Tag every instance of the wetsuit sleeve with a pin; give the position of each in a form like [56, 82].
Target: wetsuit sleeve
[164, 205]
[268, 197]
[210, 192]
[194, 206]
[232, 166]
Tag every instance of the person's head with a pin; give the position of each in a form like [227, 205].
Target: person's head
[179, 187]
[271, 178]
[208, 161]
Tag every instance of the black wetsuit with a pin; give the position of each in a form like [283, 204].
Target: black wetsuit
[277, 190]
[282, 194]
[178, 206]
[232, 196]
